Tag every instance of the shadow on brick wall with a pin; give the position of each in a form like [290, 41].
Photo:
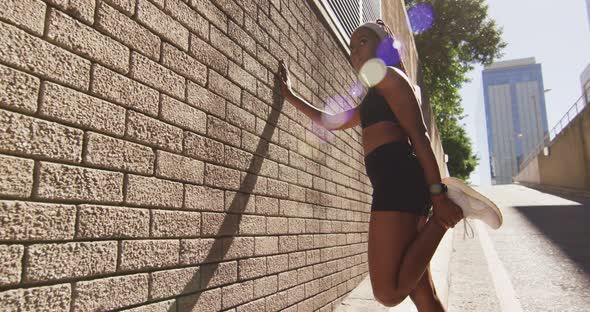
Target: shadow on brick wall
[237, 207]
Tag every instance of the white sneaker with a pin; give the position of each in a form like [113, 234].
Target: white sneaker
[473, 203]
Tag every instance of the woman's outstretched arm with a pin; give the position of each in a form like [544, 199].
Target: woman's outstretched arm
[343, 120]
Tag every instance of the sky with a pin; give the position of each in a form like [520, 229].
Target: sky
[557, 34]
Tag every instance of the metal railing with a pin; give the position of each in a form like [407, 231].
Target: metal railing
[555, 131]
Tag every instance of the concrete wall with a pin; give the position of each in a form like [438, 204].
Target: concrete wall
[568, 163]
[146, 159]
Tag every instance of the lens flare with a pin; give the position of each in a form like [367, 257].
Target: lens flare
[356, 90]
[421, 17]
[387, 51]
[372, 72]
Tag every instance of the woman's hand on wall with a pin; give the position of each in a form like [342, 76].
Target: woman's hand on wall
[285, 81]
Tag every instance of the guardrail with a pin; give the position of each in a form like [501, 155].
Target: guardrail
[556, 130]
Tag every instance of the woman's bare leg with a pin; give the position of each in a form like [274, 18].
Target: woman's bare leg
[399, 254]
[424, 295]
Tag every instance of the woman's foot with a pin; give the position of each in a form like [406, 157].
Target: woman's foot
[473, 203]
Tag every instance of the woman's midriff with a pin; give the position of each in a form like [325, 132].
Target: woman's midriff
[381, 133]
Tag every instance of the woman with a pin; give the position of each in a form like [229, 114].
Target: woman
[405, 177]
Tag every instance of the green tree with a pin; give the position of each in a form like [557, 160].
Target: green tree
[461, 36]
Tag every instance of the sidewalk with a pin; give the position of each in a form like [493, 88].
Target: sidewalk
[361, 298]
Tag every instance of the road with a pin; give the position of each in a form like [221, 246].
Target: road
[539, 260]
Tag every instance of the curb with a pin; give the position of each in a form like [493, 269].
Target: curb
[558, 189]
[361, 298]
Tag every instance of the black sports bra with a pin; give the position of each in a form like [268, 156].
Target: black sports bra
[374, 108]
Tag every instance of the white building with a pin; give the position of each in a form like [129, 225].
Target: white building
[516, 116]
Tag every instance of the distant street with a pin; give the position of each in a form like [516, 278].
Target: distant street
[539, 260]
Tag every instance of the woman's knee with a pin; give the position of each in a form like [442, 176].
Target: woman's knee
[390, 299]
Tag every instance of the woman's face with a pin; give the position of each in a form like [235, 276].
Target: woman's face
[363, 47]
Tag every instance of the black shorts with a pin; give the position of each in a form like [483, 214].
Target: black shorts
[398, 179]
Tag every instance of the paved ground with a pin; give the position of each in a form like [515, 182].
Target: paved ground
[539, 260]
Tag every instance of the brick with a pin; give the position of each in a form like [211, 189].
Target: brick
[222, 177]
[124, 91]
[153, 132]
[241, 118]
[112, 222]
[148, 254]
[266, 245]
[211, 13]
[198, 197]
[224, 87]
[49, 262]
[110, 293]
[223, 131]
[111, 153]
[277, 225]
[205, 100]
[184, 64]
[183, 115]
[16, 176]
[239, 202]
[127, 6]
[254, 306]
[200, 250]
[68, 105]
[266, 58]
[265, 286]
[219, 274]
[171, 283]
[253, 143]
[242, 77]
[277, 188]
[153, 192]
[267, 205]
[80, 9]
[63, 182]
[238, 293]
[251, 268]
[278, 302]
[226, 45]
[287, 279]
[203, 148]
[175, 223]
[238, 35]
[11, 264]
[231, 9]
[162, 24]
[36, 56]
[256, 31]
[178, 167]
[157, 76]
[287, 243]
[18, 91]
[287, 174]
[278, 263]
[238, 247]
[254, 67]
[206, 301]
[297, 259]
[188, 17]
[208, 55]
[28, 14]
[239, 159]
[86, 41]
[162, 306]
[29, 221]
[46, 298]
[215, 224]
[127, 31]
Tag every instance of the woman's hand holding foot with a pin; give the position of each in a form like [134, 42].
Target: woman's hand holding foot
[445, 211]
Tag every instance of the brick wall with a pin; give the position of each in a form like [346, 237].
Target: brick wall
[147, 161]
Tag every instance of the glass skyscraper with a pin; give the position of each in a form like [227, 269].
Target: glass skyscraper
[516, 116]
